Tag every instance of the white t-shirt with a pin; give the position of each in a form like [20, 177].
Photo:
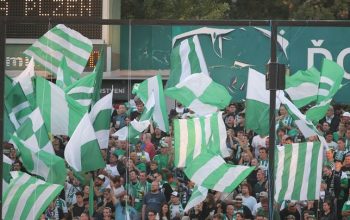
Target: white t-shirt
[256, 142]
[250, 202]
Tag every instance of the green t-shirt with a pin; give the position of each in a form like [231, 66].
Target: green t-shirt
[346, 207]
[162, 160]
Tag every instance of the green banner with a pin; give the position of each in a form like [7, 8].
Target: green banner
[230, 51]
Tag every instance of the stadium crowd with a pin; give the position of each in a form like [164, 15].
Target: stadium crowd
[141, 182]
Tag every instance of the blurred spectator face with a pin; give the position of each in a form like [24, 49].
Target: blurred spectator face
[229, 210]
[347, 161]
[84, 216]
[157, 131]
[262, 154]
[325, 127]
[16, 166]
[133, 176]
[341, 127]
[347, 134]
[341, 145]
[254, 162]
[121, 109]
[329, 155]
[330, 112]
[151, 215]
[326, 207]
[155, 186]
[107, 212]
[143, 177]
[139, 107]
[245, 190]
[113, 159]
[239, 216]
[80, 199]
[292, 207]
[231, 109]
[329, 138]
[154, 166]
[260, 175]
[283, 110]
[86, 189]
[230, 120]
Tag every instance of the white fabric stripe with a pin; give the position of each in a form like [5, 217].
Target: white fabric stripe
[319, 171]
[24, 79]
[14, 121]
[33, 142]
[37, 119]
[84, 102]
[42, 199]
[223, 136]
[59, 111]
[201, 108]
[279, 171]
[194, 201]
[22, 120]
[6, 159]
[52, 68]
[257, 87]
[183, 142]
[74, 34]
[323, 92]
[153, 88]
[13, 190]
[307, 170]
[207, 127]
[48, 148]
[292, 171]
[200, 55]
[40, 168]
[207, 169]
[102, 104]
[229, 177]
[326, 80]
[81, 89]
[20, 107]
[184, 51]
[102, 138]
[198, 137]
[24, 197]
[197, 83]
[302, 91]
[58, 55]
[68, 45]
[140, 126]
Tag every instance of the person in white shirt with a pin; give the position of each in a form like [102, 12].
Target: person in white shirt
[248, 200]
[258, 142]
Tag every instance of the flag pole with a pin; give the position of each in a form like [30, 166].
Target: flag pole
[272, 125]
[2, 98]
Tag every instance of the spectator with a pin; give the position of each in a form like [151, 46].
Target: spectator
[331, 119]
[175, 207]
[152, 200]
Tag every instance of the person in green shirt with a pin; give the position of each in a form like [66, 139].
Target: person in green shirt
[346, 209]
[163, 159]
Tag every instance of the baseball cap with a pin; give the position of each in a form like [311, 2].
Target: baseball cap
[346, 114]
[238, 198]
[101, 177]
[263, 194]
[174, 193]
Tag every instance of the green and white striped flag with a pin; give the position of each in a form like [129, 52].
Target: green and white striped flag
[298, 171]
[34, 133]
[302, 86]
[82, 147]
[82, 90]
[65, 77]
[258, 103]
[211, 171]
[16, 103]
[199, 194]
[144, 90]
[100, 117]
[6, 169]
[61, 113]
[25, 79]
[47, 165]
[200, 93]
[28, 197]
[185, 59]
[331, 77]
[193, 136]
[59, 42]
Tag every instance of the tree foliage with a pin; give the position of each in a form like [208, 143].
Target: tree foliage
[235, 9]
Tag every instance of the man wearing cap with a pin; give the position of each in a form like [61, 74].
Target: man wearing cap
[347, 139]
[345, 118]
[262, 194]
[175, 207]
[99, 187]
[163, 159]
[291, 209]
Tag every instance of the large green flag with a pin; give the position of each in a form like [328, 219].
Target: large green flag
[82, 152]
[27, 197]
[298, 171]
[330, 82]
[185, 59]
[302, 86]
[39, 162]
[200, 93]
[61, 113]
[34, 133]
[154, 86]
[100, 116]
[59, 42]
[194, 136]
[211, 171]
[82, 90]
[65, 77]
[257, 103]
